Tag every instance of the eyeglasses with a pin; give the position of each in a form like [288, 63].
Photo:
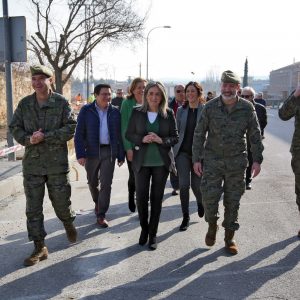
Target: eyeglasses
[179, 91]
[105, 94]
[246, 96]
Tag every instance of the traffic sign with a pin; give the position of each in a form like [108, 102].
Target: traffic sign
[17, 26]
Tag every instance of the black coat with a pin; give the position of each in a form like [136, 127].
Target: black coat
[136, 131]
[261, 115]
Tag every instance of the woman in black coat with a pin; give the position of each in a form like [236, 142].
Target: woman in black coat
[152, 129]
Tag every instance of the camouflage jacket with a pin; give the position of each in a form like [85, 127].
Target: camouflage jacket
[57, 123]
[289, 109]
[221, 134]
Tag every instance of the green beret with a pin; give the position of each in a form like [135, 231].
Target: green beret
[230, 77]
[40, 69]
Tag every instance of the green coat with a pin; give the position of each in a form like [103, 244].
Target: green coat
[126, 111]
[57, 123]
[289, 109]
[220, 134]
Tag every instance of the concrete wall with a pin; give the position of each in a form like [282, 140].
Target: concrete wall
[21, 88]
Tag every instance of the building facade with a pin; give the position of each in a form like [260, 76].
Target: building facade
[283, 81]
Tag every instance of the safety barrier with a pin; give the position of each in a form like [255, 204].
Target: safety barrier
[71, 154]
[18, 147]
[12, 149]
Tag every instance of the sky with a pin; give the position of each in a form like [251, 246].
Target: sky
[205, 36]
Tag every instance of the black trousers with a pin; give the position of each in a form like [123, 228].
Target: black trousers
[158, 178]
[187, 179]
[248, 170]
[174, 180]
[131, 180]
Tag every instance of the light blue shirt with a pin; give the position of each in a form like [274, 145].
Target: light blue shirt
[103, 129]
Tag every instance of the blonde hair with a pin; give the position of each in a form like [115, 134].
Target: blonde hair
[133, 85]
[162, 108]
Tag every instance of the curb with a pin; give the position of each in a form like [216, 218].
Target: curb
[11, 186]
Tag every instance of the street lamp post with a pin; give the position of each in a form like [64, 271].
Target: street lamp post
[147, 64]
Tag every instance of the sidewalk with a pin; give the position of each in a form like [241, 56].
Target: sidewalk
[11, 179]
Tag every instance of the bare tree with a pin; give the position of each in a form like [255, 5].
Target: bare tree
[62, 44]
[212, 80]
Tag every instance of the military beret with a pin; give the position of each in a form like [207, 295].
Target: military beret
[40, 69]
[230, 77]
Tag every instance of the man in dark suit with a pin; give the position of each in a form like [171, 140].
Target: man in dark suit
[248, 94]
[117, 101]
[259, 99]
[174, 104]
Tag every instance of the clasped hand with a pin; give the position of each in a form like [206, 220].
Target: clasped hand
[152, 137]
[37, 137]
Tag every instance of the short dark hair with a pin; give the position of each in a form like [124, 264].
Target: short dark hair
[100, 86]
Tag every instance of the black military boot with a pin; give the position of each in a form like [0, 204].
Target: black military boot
[230, 243]
[71, 232]
[210, 238]
[185, 222]
[39, 253]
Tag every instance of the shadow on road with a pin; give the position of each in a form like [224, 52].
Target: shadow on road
[235, 280]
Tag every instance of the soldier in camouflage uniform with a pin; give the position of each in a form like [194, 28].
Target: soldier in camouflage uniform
[289, 109]
[220, 141]
[43, 123]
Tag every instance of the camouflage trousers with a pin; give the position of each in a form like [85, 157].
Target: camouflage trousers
[228, 177]
[295, 163]
[59, 191]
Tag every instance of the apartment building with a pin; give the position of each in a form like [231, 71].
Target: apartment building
[283, 81]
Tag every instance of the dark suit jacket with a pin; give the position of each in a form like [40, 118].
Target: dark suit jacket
[136, 131]
[261, 115]
[181, 119]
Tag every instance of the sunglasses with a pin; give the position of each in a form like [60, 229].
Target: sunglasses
[246, 96]
[179, 91]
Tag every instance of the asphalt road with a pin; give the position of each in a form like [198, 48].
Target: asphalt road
[109, 264]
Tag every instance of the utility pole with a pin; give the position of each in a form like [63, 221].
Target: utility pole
[86, 60]
[8, 77]
[140, 69]
[147, 61]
